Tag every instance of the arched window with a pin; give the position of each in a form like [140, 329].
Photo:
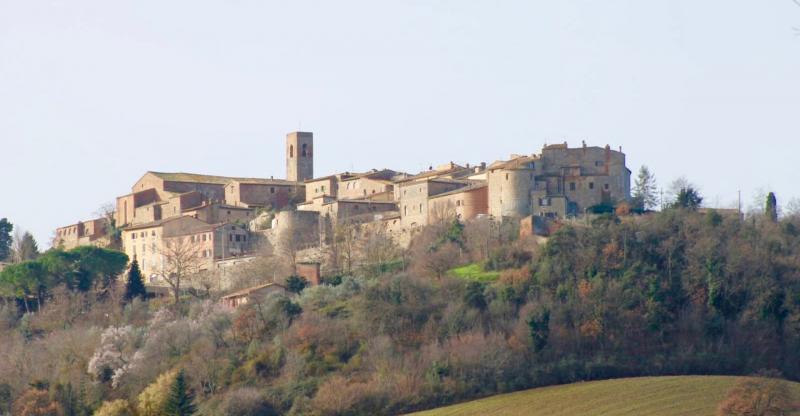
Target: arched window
[305, 153]
[291, 150]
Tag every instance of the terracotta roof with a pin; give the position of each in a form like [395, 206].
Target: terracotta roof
[249, 290]
[515, 163]
[468, 188]
[213, 179]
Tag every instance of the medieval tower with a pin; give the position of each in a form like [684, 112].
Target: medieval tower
[299, 156]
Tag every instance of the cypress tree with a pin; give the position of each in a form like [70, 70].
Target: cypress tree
[772, 207]
[180, 401]
[134, 287]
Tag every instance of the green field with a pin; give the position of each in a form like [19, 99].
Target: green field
[475, 272]
[655, 396]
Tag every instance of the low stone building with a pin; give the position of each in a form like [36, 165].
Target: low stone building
[251, 295]
[93, 232]
[201, 243]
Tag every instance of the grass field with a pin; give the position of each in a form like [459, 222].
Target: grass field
[474, 271]
[653, 396]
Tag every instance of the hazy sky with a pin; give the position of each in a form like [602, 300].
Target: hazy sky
[95, 93]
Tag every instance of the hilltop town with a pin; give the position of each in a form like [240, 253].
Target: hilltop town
[225, 219]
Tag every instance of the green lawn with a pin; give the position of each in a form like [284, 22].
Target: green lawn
[475, 272]
[654, 396]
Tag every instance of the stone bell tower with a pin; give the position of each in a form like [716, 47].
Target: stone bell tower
[299, 156]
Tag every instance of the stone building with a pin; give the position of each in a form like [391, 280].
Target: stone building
[560, 182]
[414, 196]
[204, 244]
[465, 203]
[263, 193]
[92, 232]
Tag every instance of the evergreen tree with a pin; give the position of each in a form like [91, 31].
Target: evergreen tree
[180, 401]
[134, 287]
[771, 209]
[688, 198]
[26, 248]
[5, 238]
[296, 284]
[644, 190]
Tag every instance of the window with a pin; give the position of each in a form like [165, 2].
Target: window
[605, 186]
[458, 203]
[572, 186]
[272, 190]
[323, 188]
[420, 207]
[133, 236]
[291, 150]
[405, 210]
[193, 239]
[591, 185]
[229, 212]
[238, 238]
[204, 237]
[506, 176]
[305, 146]
[142, 234]
[230, 237]
[153, 233]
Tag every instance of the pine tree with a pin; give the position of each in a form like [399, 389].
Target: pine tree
[644, 190]
[26, 248]
[180, 401]
[134, 287]
[771, 209]
[5, 239]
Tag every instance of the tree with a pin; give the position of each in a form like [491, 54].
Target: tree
[119, 407]
[644, 190]
[474, 296]
[134, 286]
[296, 284]
[24, 247]
[5, 239]
[688, 198]
[539, 326]
[180, 401]
[771, 207]
[113, 234]
[154, 397]
[36, 402]
[757, 396]
[181, 261]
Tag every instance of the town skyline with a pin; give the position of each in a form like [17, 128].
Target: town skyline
[465, 84]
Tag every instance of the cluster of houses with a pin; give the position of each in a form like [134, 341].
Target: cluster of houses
[221, 218]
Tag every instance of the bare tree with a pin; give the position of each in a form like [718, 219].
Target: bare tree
[481, 235]
[442, 213]
[181, 261]
[344, 245]
[23, 247]
[108, 212]
[378, 249]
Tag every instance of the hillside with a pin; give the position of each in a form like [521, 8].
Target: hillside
[655, 396]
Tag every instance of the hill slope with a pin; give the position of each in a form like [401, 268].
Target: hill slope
[654, 396]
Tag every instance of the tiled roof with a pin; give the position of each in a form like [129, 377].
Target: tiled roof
[213, 179]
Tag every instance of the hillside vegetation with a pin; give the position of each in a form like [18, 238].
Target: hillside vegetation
[646, 396]
[677, 292]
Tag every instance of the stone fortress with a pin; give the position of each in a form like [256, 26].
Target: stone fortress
[223, 216]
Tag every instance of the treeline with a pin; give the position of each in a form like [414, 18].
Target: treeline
[81, 269]
[673, 292]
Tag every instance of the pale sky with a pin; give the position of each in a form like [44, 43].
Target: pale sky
[95, 93]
